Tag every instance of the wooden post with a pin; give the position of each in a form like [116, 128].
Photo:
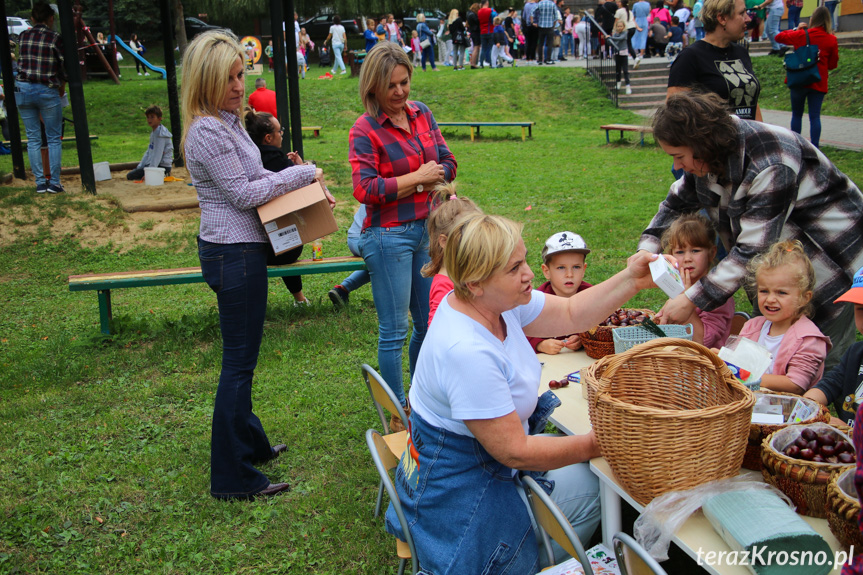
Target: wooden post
[11, 105]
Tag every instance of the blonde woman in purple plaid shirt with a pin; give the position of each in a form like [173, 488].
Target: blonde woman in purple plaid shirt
[231, 182]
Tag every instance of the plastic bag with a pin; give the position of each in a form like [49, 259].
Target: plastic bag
[663, 516]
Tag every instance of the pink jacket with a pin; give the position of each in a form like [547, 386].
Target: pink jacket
[717, 323]
[801, 354]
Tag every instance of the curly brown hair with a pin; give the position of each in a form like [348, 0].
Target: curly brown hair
[701, 122]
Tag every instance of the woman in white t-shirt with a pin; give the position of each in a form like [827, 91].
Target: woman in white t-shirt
[475, 403]
[339, 38]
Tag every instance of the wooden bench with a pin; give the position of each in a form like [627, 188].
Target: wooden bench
[104, 283]
[63, 139]
[316, 130]
[475, 126]
[626, 128]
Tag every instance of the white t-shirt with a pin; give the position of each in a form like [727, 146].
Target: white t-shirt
[338, 32]
[465, 372]
[771, 342]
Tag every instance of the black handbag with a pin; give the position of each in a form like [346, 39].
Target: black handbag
[801, 65]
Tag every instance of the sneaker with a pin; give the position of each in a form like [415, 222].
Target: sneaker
[55, 188]
[140, 74]
[344, 71]
[339, 296]
[637, 63]
[618, 85]
[628, 90]
[41, 188]
[305, 302]
[146, 73]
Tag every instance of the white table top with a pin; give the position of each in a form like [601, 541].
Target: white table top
[572, 418]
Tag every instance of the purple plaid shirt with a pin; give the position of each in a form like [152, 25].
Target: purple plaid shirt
[41, 57]
[231, 182]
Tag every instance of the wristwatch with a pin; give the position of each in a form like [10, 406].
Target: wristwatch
[420, 188]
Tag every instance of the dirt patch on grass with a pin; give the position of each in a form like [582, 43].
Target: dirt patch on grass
[130, 224]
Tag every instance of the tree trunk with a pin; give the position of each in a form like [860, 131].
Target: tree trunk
[179, 27]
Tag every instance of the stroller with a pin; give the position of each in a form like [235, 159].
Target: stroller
[324, 56]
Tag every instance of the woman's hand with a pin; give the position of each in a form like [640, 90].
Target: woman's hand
[638, 266]
[550, 346]
[319, 175]
[295, 158]
[330, 199]
[676, 310]
[431, 173]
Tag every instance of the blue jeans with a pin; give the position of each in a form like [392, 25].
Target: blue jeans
[831, 6]
[794, 16]
[395, 257]
[566, 45]
[238, 275]
[774, 18]
[486, 42]
[360, 277]
[337, 54]
[35, 100]
[428, 56]
[799, 97]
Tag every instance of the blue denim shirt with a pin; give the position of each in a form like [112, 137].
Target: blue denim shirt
[462, 506]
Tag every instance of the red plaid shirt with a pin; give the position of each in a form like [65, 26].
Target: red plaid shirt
[856, 566]
[380, 152]
[41, 57]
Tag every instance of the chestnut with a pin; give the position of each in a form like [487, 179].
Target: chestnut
[826, 439]
[792, 451]
[807, 454]
[845, 457]
[808, 434]
[813, 445]
[843, 446]
[553, 384]
[827, 451]
[818, 459]
[801, 442]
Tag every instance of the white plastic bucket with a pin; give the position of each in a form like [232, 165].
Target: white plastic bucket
[154, 176]
[102, 171]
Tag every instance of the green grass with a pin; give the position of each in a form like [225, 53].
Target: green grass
[105, 440]
[844, 85]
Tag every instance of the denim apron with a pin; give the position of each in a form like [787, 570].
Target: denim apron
[462, 506]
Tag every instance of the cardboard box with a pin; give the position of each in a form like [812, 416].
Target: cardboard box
[666, 277]
[297, 218]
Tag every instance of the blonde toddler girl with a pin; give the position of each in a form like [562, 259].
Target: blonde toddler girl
[447, 210]
[785, 279]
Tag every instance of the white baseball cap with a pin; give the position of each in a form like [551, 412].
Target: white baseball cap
[564, 242]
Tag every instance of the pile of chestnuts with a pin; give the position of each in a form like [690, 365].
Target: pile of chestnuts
[821, 448]
[623, 317]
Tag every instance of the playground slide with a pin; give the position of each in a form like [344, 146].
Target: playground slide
[137, 56]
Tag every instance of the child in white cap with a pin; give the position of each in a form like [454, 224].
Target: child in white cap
[563, 266]
[843, 385]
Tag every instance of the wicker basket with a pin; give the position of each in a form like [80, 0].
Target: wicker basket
[668, 415]
[843, 509]
[628, 337]
[758, 431]
[805, 482]
[598, 341]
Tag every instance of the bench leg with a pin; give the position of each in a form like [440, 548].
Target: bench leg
[621, 134]
[642, 139]
[530, 131]
[317, 133]
[607, 138]
[522, 134]
[471, 133]
[105, 310]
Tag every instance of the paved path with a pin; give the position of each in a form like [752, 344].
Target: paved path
[838, 132]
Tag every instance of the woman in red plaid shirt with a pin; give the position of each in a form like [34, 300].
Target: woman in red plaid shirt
[397, 156]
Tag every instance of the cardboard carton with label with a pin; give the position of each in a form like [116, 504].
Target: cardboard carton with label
[297, 218]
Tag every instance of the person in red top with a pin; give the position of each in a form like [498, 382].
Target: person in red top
[397, 157]
[262, 99]
[563, 266]
[486, 33]
[820, 34]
